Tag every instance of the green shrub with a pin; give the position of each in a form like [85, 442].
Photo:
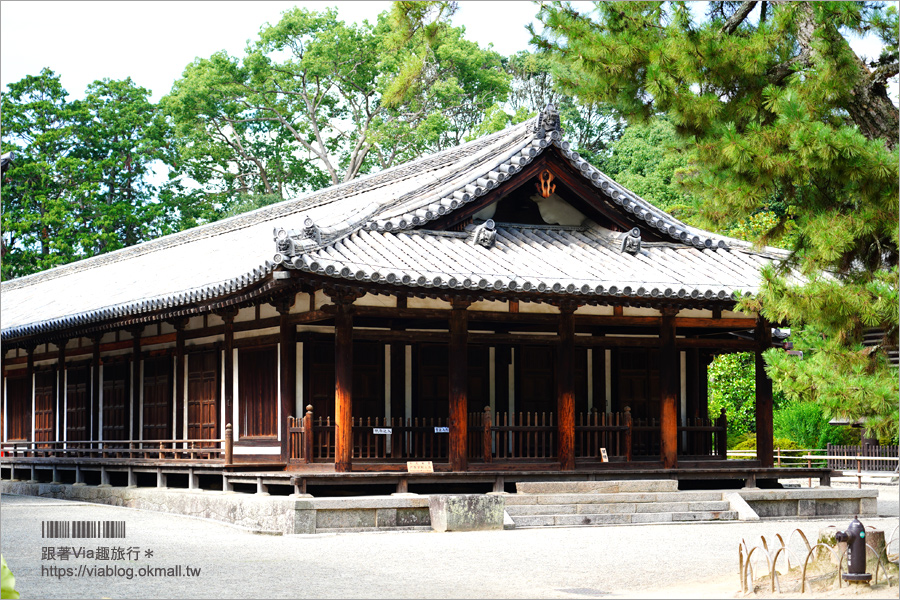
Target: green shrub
[807, 424]
[784, 444]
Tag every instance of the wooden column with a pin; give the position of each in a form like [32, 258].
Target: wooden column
[178, 425]
[95, 389]
[136, 383]
[764, 427]
[29, 375]
[228, 316]
[288, 376]
[398, 392]
[565, 387]
[60, 408]
[668, 389]
[343, 382]
[459, 384]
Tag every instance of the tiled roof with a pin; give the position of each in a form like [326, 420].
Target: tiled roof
[365, 228]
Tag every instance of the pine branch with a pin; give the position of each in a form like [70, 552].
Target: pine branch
[738, 17]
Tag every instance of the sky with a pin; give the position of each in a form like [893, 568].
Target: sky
[152, 42]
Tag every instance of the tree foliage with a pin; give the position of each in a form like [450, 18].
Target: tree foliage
[316, 101]
[80, 182]
[777, 110]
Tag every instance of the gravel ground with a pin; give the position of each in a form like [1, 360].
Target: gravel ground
[666, 561]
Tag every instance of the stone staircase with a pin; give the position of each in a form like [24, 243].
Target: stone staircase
[572, 503]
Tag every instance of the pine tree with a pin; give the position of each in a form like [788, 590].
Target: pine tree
[777, 109]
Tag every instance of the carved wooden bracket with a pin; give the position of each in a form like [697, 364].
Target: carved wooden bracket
[283, 303]
[228, 313]
[459, 303]
[179, 323]
[567, 305]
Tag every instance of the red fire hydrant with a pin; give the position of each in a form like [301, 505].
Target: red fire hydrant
[855, 536]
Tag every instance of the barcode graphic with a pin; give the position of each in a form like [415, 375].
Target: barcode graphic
[83, 529]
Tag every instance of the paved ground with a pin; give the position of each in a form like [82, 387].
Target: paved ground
[666, 561]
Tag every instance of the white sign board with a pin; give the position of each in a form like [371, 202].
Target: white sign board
[442, 430]
[381, 431]
[603, 455]
[420, 466]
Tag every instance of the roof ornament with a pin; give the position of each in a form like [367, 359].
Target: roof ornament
[485, 234]
[544, 185]
[631, 243]
[548, 120]
[311, 230]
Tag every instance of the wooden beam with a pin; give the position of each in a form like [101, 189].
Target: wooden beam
[95, 389]
[565, 387]
[60, 408]
[136, 383]
[343, 384]
[459, 384]
[179, 378]
[228, 316]
[764, 405]
[288, 375]
[668, 388]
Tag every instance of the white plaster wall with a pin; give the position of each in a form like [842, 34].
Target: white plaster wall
[727, 314]
[630, 311]
[246, 314]
[594, 310]
[376, 300]
[538, 307]
[427, 303]
[695, 313]
[490, 305]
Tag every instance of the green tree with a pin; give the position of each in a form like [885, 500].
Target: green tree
[80, 184]
[317, 101]
[776, 108]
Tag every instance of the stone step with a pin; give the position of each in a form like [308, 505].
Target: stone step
[616, 508]
[568, 520]
[609, 498]
[597, 487]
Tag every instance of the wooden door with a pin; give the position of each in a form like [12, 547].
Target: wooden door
[115, 401]
[257, 391]
[536, 392]
[203, 395]
[320, 356]
[44, 406]
[431, 369]
[18, 408]
[636, 372]
[157, 411]
[78, 393]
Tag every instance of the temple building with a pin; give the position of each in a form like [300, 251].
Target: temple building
[501, 306]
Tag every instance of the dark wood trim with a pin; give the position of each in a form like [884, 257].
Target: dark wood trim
[29, 373]
[60, 408]
[668, 388]
[458, 376]
[136, 383]
[266, 441]
[179, 380]
[95, 389]
[228, 316]
[288, 375]
[343, 384]
[765, 452]
[565, 388]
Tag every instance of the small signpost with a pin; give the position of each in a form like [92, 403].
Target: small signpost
[420, 466]
[603, 455]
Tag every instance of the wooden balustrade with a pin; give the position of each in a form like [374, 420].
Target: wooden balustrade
[505, 436]
[203, 449]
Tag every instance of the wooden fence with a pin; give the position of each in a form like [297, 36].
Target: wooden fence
[866, 465]
[133, 449]
[502, 436]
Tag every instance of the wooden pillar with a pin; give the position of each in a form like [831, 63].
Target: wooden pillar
[60, 408]
[668, 389]
[178, 425]
[343, 382]
[136, 383]
[288, 376]
[764, 408]
[95, 389]
[228, 316]
[459, 385]
[29, 374]
[565, 387]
